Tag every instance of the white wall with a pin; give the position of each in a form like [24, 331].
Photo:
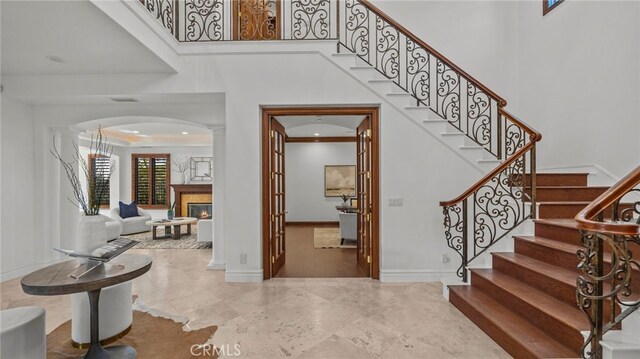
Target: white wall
[304, 178]
[176, 152]
[579, 81]
[479, 36]
[19, 210]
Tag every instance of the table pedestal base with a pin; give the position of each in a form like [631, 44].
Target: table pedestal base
[117, 351]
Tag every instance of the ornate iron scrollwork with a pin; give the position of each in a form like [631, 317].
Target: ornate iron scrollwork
[387, 50]
[418, 72]
[479, 123]
[609, 282]
[448, 93]
[162, 10]
[357, 29]
[204, 20]
[454, 228]
[310, 19]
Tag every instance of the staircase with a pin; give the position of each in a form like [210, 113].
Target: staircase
[527, 301]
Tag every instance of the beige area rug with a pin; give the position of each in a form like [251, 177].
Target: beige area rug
[153, 335]
[330, 238]
[185, 241]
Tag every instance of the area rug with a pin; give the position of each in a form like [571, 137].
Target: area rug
[185, 241]
[330, 238]
[153, 335]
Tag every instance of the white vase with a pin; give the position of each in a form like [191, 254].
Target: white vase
[92, 233]
[180, 179]
[187, 179]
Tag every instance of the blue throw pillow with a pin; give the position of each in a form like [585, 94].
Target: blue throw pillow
[129, 210]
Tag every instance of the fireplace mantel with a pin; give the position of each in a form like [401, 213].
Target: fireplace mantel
[181, 189]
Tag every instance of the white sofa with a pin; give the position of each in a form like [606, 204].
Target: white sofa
[132, 224]
[114, 227]
[348, 226]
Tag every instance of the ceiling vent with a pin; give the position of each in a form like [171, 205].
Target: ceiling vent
[124, 100]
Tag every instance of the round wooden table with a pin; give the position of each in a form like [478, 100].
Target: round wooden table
[55, 280]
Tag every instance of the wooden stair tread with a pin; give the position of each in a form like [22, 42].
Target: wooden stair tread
[559, 274]
[535, 341]
[572, 316]
[559, 222]
[550, 243]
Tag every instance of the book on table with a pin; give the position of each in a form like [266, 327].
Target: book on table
[98, 256]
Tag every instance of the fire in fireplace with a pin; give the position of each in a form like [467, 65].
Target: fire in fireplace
[199, 210]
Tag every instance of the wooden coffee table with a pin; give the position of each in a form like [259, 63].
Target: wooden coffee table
[55, 280]
[175, 223]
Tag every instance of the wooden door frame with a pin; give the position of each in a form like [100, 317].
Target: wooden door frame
[374, 113]
[236, 26]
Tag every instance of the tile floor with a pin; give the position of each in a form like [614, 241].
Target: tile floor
[296, 318]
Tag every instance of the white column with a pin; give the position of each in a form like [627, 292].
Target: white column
[69, 213]
[219, 258]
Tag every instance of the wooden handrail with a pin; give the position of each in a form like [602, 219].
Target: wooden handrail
[501, 102]
[616, 192]
[534, 137]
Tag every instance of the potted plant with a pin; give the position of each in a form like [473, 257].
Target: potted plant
[92, 230]
[345, 197]
[171, 211]
[182, 166]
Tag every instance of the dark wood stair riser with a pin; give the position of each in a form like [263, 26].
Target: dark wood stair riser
[512, 347]
[558, 179]
[558, 233]
[565, 334]
[559, 290]
[545, 254]
[557, 194]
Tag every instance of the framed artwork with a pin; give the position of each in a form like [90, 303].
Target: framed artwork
[353, 202]
[548, 5]
[339, 179]
[201, 168]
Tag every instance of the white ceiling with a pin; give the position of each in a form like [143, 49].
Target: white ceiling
[77, 31]
[324, 126]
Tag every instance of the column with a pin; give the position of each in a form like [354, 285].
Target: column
[219, 257]
[69, 212]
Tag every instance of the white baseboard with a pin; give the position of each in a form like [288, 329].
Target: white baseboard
[19, 272]
[243, 276]
[215, 265]
[420, 275]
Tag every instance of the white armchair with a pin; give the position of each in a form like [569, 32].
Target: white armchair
[348, 226]
[132, 224]
[114, 227]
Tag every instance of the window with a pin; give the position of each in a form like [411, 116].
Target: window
[99, 174]
[548, 5]
[150, 178]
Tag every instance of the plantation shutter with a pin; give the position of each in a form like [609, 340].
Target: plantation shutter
[151, 179]
[100, 174]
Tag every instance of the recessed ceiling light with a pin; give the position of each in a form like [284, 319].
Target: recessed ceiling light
[56, 59]
[316, 134]
[130, 131]
[185, 132]
[134, 131]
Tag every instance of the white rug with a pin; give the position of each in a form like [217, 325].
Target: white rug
[330, 238]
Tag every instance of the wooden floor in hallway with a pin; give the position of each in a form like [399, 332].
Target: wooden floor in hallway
[305, 261]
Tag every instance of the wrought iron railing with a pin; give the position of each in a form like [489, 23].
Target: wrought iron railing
[223, 20]
[609, 289]
[498, 202]
[503, 199]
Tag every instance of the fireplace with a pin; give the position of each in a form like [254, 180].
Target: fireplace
[191, 193]
[199, 210]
